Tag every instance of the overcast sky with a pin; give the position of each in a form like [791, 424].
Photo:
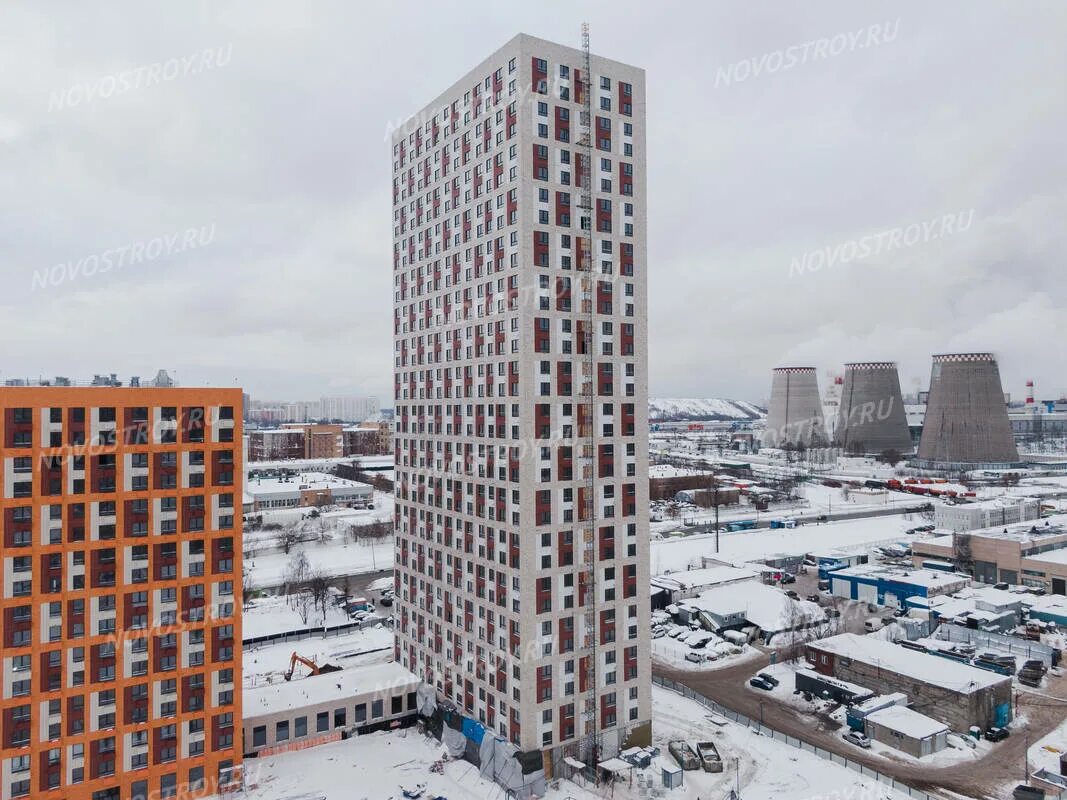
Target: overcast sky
[770, 154]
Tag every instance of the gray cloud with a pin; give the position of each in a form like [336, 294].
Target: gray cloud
[283, 151]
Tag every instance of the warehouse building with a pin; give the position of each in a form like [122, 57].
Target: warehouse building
[957, 694]
[1030, 553]
[309, 489]
[891, 587]
[909, 731]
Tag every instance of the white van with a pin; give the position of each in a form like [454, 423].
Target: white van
[872, 624]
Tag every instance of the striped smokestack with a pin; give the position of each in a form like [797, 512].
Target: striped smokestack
[966, 415]
[871, 418]
[794, 417]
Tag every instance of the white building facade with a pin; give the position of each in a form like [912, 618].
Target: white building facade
[521, 396]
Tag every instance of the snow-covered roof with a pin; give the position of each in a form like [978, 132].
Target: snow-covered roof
[268, 487]
[907, 722]
[929, 669]
[269, 698]
[1051, 556]
[928, 578]
[708, 576]
[764, 606]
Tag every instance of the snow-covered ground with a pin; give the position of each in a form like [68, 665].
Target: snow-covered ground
[266, 616]
[267, 663]
[332, 550]
[1045, 753]
[378, 766]
[701, 408]
[679, 553]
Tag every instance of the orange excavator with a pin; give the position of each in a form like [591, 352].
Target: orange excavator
[307, 662]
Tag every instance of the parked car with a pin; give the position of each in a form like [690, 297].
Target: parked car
[696, 657]
[760, 683]
[773, 681]
[1034, 665]
[386, 601]
[872, 624]
[858, 739]
[833, 612]
[996, 734]
[659, 633]
[813, 598]
[788, 578]
[674, 633]
[792, 593]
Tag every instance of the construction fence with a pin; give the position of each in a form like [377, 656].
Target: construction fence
[792, 741]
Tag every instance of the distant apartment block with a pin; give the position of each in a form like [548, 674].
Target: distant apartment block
[325, 409]
[120, 605]
[314, 441]
[521, 439]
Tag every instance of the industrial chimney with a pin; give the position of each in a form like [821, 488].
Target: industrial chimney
[794, 417]
[966, 416]
[871, 416]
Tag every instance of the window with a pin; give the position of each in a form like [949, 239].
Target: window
[281, 731]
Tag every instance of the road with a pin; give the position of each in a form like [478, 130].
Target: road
[357, 582]
[813, 517]
[728, 687]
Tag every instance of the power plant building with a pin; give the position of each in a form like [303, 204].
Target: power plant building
[870, 416]
[966, 422]
[795, 416]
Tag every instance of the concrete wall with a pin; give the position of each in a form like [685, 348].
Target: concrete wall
[966, 416]
[795, 416]
[871, 415]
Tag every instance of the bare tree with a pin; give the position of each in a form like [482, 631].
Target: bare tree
[296, 573]
[318, 583]
[303, 602]
[286, 538]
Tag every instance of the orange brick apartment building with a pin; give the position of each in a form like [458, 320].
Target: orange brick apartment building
[120, 611]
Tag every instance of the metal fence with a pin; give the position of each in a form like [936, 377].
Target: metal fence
[996, 641]
[792, 741]
[310, 633]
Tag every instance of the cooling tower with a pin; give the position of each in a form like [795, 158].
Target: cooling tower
[966, 416]
[794, 417]
[871, 418]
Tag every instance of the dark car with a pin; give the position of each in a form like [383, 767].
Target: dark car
[792, 594]
[788, 578]
[833, 612]
[760, 683]
[385, 601]
[996, 734]
[813, 598]
[773, 681]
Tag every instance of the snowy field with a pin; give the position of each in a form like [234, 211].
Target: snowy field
[268, 663]
[380, 765]
[331, 549]
[266, 616]
[680, 553]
